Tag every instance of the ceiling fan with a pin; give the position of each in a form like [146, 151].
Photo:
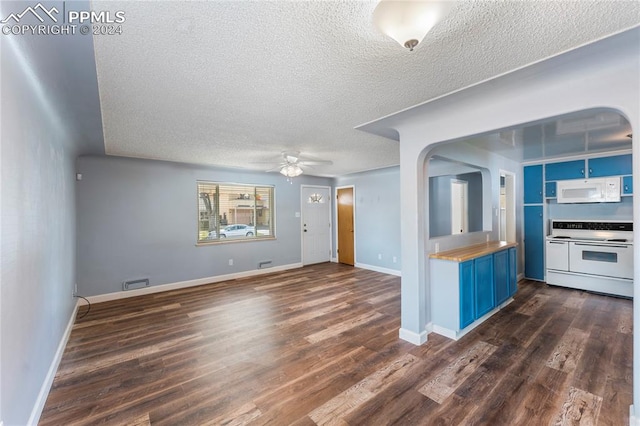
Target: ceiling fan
[292, 162]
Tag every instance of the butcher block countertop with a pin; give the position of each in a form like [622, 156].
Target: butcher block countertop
[463, 254]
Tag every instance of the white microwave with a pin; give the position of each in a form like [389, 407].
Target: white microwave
[599, 190]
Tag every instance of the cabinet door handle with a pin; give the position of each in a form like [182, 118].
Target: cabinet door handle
[582, 172]
[590, 171]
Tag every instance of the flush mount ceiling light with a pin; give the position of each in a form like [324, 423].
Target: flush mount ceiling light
[408, 21]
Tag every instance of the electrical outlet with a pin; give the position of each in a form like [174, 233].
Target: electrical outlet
[75, 289]
[395, 259]
[379, 256]
[230, 262]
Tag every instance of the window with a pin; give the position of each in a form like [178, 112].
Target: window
[232, 212]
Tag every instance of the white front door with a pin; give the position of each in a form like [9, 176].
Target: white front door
[316, 224]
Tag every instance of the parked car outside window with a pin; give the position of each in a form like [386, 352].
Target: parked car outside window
[235, 230]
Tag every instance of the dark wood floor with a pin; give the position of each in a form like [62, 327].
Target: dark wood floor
[319, 345]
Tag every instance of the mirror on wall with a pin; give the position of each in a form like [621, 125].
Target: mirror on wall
[455, 198]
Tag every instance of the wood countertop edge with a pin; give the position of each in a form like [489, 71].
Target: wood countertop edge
[463, 254]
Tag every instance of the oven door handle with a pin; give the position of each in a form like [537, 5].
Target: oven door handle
[558, 242]
[600, 245]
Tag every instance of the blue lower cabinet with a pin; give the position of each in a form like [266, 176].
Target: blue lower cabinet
[533, 243]
[483, 283]
[501, 275]
[467, 294]
[483, 274]
[513, 271]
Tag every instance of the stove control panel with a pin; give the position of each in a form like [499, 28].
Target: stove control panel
[592, 226]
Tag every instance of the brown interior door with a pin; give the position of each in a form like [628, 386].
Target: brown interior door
[345, 226]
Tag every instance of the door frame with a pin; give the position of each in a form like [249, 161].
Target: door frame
[510, 218]
[302, 202]
[335, 212]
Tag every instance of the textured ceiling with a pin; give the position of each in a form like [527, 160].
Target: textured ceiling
[236, 83]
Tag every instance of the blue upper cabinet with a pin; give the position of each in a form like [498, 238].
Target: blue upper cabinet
[627, 185]
[550, 190]
[564, 170]
[533, 184]
[610, 166]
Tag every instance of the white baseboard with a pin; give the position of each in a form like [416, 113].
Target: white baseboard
[184, 284]
[633, 420]
[450, 334]
[36, 412]
[520, 277]
[379, 269]
[333, 259]
[413, 337]
[429, 327]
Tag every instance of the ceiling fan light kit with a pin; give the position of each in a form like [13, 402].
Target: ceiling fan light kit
[409, 21]
[291, 170]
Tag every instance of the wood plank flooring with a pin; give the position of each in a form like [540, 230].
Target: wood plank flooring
[319, 345]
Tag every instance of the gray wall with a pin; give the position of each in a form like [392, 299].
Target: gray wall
[377, 211]
[440, 203]
[138, 219]
[49, 106]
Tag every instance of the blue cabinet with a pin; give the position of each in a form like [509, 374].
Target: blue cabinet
[464, 293]
[564, 170]
[627, 185]
[467, 294]
[483, 274]
[550, 190]
[501, 276]
[533, 243]
[610, 166]
[533, 184]
[513, 271]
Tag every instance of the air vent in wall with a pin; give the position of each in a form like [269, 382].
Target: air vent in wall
[135, 284]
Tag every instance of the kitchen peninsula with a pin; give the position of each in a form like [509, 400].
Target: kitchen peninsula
[469, 284]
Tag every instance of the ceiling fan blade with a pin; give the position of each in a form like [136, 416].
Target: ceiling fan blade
[315, 162]
[291, 157]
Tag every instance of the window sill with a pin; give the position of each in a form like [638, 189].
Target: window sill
[233, 241]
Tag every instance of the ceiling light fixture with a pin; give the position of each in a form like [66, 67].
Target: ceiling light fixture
[291, 171]
[408, 21]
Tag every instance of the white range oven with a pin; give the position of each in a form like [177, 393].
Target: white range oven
[591, 255]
